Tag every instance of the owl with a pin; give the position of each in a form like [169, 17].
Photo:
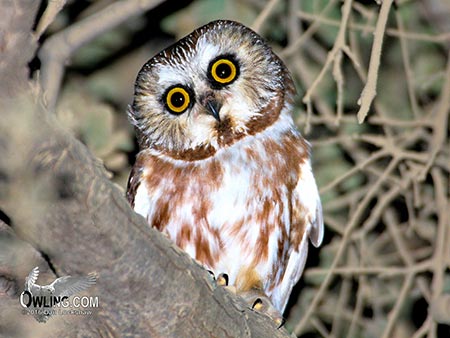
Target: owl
[222, 169]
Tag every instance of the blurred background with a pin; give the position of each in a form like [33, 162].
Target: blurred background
[383, 270]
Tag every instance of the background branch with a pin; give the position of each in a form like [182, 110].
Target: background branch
[370, 89]
[57, 50]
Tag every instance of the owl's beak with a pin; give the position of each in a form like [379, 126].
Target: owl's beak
[213, 108]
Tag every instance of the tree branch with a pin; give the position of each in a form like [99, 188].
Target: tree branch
[370, 89]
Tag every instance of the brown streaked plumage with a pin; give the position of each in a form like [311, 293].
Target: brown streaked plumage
[222, 170]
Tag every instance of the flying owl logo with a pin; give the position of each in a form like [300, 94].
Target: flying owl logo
[222, 169]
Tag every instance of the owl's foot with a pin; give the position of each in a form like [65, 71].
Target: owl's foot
[222, 279]
[258, 301]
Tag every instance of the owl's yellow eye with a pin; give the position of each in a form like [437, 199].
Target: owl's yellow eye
[223, 70]
[177, 99]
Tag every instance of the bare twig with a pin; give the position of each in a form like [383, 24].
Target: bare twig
[335, 55]
[370, 89]
[264, 15]
[407, 65]
[436, 38]
[293, 46]
[407, 283]
[51, 11]
[439, 123]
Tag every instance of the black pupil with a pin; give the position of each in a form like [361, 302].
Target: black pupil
[223, 70]
[177, 99]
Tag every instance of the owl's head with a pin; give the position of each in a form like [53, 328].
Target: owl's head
[215, 86]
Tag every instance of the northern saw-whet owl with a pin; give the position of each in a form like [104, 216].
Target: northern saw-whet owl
[222, 169]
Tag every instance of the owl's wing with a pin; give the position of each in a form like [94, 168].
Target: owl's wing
[137, 193]
[68, 285]
[307, 223]
[32, 278]
[307, 195]
[133, 183]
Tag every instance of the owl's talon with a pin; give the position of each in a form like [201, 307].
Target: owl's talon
[279, 321]
[257, 304]
[261, 303]
[222, 279]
